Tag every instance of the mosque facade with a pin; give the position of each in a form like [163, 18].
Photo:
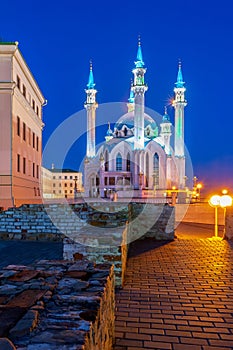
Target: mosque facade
[137, 158]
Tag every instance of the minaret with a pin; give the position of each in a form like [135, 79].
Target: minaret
[165, 132]
[179, 104]
[130, 103]
[91, 106]
[139, 88]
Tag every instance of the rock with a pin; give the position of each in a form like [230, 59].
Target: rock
[71, 284]
[25, 325]
[6, 344]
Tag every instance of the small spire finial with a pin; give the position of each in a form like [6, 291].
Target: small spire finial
[165, 109]
[139, 40]
[90, 64]
[179, 63]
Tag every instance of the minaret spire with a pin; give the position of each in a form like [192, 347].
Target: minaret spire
[179, 104]
[139, 88]
[91, 84]
[91, 106]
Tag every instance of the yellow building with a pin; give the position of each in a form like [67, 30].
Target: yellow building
[61, 183]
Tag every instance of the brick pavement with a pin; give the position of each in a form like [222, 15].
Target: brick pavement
[177, 295]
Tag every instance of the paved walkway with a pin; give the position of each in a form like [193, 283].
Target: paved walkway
[177, 295]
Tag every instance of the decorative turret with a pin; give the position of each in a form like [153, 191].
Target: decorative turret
[139, 88]
[109, 134]
[166, 132]
[179, 104]
[91, 106]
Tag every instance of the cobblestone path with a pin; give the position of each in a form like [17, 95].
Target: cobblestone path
[177, 295]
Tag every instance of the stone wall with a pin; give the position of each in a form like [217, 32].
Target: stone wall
[57, 305]
[151, 220]
[229, 223]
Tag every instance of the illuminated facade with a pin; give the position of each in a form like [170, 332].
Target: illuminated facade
[137, 158]
[21, 104]
[61, 183]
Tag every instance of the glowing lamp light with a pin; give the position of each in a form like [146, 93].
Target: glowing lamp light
[215, 200]
[225, 201]
[224, 191]
[199, 186]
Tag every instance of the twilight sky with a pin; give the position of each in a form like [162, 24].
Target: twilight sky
[58, 39]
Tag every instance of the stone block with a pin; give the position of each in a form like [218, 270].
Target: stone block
[25, 325]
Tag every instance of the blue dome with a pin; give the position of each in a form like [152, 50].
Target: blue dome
[128, 120]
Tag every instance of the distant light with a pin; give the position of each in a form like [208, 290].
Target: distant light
[199, 186]
[225, 191]
[174, 187]
[215, 200]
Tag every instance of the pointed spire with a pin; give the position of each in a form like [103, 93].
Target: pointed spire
[166, 116]
[91, 83]
[139, 63]
[180, 83]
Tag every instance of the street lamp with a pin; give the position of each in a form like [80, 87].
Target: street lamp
[199, 187]
[223, 201]
[75, 187]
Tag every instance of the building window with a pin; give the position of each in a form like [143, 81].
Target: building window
[33, 169]
[105, 181]
[128, 162]
[18, 163]
[37, 110]
[106, 165]
[59, 185]
[33, 104]
[24, 131]
[29, 136]
[35, 193]
[71, 185]
[71, 177]
[60, 191]
[18, 126]
[54, 185]
[147, 170]
[37, 171]
[65, 177]
[37, 143]
[60, 177]
[24, 165]
[65, 191]
[118, 162]
[33, 140]
[156, 170]
[24, 91]
[38, 191]
[112, 181]
[65, 184]
[54, 191]
[71, 191]
[54, 177]
[18, 82]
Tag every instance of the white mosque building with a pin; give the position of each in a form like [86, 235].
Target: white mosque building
[137, 158]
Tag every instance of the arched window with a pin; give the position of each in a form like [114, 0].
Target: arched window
[106, 164]
[156, 170]
[118, 162]
[128, 162]
[147, 170]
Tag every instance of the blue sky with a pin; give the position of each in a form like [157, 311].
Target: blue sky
[58, 40]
